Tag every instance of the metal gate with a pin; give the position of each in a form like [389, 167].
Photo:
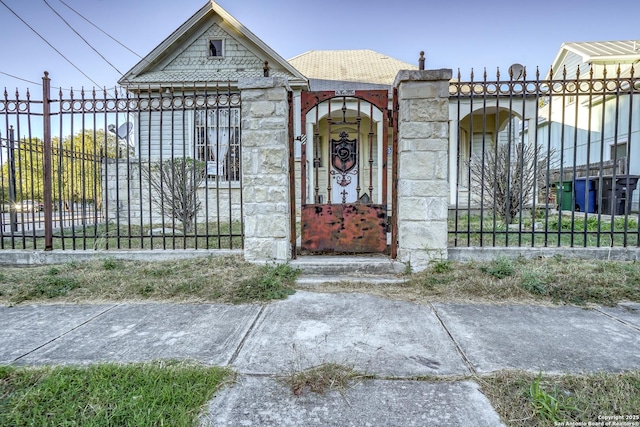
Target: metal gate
[344, 174]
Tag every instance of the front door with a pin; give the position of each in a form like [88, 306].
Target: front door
[344, 176]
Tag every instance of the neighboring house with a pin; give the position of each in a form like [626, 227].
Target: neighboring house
[597, 129]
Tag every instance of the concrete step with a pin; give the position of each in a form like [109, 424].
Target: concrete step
[311, 280]
[337, 265]
[374, 270]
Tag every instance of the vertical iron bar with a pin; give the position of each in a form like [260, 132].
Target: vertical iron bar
[206, 159]
[469, 157]
[303, 158]
[240, 169]
[394, 172]
[229, 161]
[562, 140]
[601, 168]
[627, 171]
[587, 181]
[96, 175]
[150, 168]
[510, 138]
[383, 168]
[483, 155]
[128, 163]
[292, 178]
[550, 84]
[60, 172]
[46, 164]
[575, 158]
[614, 178]
[521, 201]
[216, 125]
[12, 182]
[329, 151]
[162, 173]
[632, 88]
[357, 154]
[380, 169]
[316, 157]
[536, 173]
[496, 175]
[458, 157]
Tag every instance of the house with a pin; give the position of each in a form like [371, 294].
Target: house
[341, 103]
[590, 123]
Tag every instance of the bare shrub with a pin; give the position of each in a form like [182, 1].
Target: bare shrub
[508, 176]
[174, 188]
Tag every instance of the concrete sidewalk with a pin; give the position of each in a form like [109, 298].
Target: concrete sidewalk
[396, 341]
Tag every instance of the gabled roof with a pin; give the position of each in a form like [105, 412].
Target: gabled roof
[169, 63]
[608, 51]
[592, 53]
[365, 66]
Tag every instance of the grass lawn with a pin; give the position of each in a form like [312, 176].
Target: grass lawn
[547, 230]
[150, 394]
[173, 393]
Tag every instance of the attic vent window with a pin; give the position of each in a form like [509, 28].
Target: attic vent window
[216, 47]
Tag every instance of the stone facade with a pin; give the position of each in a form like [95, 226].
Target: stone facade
[265, 171]
[423, 187]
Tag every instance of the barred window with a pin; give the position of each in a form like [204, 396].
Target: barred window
[217, 135]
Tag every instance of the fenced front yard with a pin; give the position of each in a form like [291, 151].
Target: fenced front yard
[541, 162]
[141, 169]
[545, 162]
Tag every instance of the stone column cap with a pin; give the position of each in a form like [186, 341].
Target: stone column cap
[263, 83]
[422, 75]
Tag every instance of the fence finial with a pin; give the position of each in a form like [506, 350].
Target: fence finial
[421, 60]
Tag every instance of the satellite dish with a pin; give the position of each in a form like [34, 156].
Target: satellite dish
[124, 130]
[516, 71]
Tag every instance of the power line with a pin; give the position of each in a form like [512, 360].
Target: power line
[50, 45]
[103, 31]
[20, 78]
[83, 39]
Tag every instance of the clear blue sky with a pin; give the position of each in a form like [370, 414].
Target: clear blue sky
[461, 34]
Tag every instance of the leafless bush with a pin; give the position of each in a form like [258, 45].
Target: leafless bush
[174, 188]
[508, 176]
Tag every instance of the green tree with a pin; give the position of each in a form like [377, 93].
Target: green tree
[76, 166]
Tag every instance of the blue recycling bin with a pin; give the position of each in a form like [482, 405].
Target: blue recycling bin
[585, 194]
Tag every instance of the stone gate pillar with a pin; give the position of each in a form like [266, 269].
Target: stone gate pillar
[423, 186]
[265, 169]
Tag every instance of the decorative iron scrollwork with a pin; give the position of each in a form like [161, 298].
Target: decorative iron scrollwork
[344, 153]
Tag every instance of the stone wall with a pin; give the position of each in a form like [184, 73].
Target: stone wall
[423, 187]
[265, 168]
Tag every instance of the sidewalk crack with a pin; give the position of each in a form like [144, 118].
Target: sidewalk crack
[246, 336]
[66, 333]
[465, 359]
[612, 317]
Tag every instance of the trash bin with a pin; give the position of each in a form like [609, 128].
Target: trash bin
[614, 196]
[585, 189]
[564, 195]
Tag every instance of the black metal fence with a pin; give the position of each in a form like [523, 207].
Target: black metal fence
[143, 168]
[548, 161]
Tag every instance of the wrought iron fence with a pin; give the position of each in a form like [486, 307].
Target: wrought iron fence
[547, 161]
[141, 168]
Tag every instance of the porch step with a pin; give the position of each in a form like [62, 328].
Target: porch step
[319, 269]
[311, 280]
